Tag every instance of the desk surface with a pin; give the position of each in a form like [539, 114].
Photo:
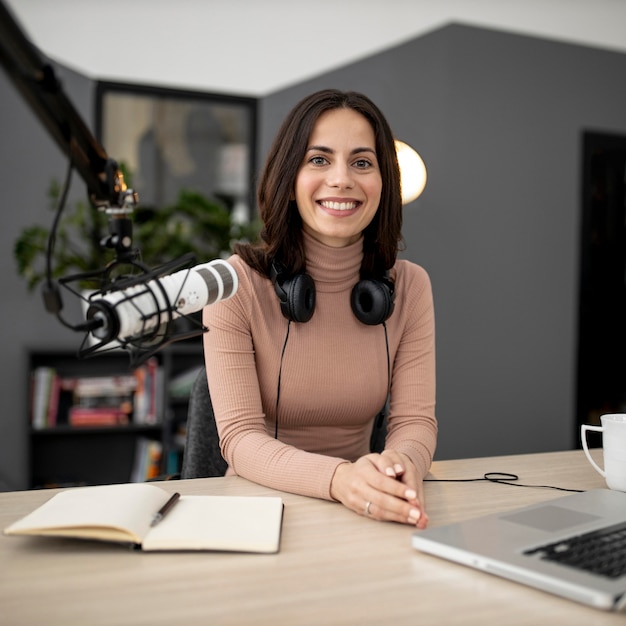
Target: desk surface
[334, 567]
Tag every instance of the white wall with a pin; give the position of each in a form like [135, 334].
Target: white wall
[253, 48]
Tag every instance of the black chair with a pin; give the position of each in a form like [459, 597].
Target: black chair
[202, 457]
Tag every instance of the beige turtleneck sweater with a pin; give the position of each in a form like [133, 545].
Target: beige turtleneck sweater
[334, 374]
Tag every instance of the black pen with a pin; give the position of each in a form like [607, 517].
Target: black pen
[163, 511]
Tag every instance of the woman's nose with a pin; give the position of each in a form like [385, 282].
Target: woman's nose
[339, 175]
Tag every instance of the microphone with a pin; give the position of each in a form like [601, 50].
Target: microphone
[142, 311]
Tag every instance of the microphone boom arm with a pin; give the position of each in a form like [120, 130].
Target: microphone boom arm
[35, 78]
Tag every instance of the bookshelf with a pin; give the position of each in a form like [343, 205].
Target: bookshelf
[97, 421]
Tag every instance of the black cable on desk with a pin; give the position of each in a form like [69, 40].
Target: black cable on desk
[502, 478]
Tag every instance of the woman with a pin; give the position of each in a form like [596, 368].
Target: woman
[326, 322]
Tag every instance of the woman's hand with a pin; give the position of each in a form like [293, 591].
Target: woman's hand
[383, 486]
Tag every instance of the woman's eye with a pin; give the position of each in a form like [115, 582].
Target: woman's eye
[318, 160]
[362, 164]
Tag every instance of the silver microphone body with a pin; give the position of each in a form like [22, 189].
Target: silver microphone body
[135, 312]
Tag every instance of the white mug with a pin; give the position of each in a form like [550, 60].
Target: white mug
[613, 431]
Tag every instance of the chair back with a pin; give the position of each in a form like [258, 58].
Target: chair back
[202, 457]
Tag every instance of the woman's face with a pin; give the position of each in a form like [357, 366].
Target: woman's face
[339, 184]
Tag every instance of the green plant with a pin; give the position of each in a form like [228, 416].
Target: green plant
[194, 224]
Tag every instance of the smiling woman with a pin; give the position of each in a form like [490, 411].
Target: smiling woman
[302, 359]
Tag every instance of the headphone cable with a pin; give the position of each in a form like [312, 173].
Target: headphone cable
[280, 374]
[502, 478]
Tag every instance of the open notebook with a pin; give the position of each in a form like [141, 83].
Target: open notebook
[569, 546]
[124, 513]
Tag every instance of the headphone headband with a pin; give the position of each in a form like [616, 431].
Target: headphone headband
[372, 300]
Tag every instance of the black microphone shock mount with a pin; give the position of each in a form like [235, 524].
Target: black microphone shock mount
[101, 325]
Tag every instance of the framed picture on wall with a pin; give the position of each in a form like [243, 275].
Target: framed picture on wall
[172, 140]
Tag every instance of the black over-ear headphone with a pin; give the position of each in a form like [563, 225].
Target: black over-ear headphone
[372, 300]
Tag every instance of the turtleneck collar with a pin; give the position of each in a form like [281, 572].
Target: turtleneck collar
[333, 269]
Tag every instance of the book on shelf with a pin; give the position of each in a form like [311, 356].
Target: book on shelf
[173, 462]
[124, 513]
[148, 393]
[134, 397]
[148, 458]
[53, 400]
[41, 389]
[100, 386]
[97, 416]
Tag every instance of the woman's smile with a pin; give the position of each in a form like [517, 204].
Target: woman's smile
[339, 206]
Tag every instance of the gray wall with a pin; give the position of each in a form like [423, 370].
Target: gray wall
[29, 160]
[498, 120]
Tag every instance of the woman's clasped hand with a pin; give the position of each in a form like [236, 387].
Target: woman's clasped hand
[385, 487]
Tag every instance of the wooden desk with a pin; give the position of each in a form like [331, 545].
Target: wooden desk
[334, 567]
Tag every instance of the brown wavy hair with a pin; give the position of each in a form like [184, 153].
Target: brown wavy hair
[281, 234]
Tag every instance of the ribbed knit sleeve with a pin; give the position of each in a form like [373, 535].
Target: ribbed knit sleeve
[412, 427]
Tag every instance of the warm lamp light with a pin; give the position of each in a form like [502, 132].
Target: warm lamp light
[412, 172]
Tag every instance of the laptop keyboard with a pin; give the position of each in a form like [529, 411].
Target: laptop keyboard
[600, 551]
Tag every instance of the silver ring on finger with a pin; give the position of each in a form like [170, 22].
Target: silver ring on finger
[368, 504]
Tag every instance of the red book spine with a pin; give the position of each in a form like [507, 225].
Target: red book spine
[53, 403]
[84, 416]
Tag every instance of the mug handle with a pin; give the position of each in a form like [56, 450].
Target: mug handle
[583, 431]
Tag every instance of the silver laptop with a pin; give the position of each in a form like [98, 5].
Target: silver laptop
[542, 546]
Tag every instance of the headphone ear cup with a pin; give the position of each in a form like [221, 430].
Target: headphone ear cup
[372, 301]
[299, 303]
[296, 294]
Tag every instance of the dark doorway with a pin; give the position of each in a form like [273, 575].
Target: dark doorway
[601, 384]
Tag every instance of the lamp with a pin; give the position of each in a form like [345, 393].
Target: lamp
[412, 172]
